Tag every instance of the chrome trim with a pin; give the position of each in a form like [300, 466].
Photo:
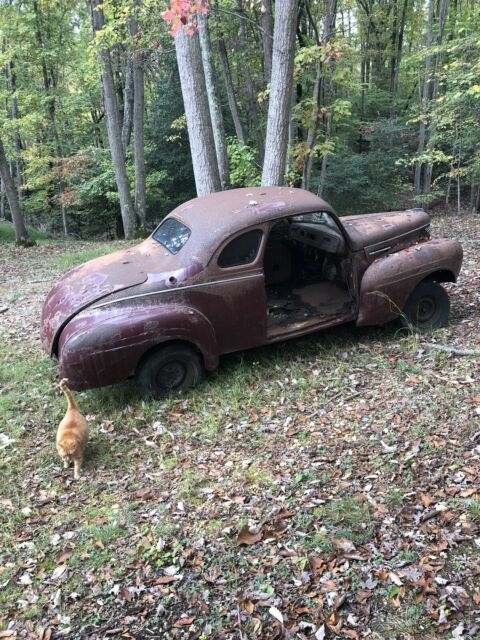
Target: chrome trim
[190, 286]
[373, 253]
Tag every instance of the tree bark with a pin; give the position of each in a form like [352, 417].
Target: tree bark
[21, 233]
[197, 112]
[232, 100]
[329, 26]
[138, 75]
[214, 101]
[397, 55]
[113, 128]
[436, 63]
[267, 38]
[128, 98]
[424, 102]
[280, 93]
[312, 130]
[251, 92]
[2, 199]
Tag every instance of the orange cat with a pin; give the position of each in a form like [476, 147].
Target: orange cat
[72, 434]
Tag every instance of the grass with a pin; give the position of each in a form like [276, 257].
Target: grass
[70, 259]
[296, 426]
[7, 233]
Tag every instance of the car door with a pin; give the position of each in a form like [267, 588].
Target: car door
[234, 300]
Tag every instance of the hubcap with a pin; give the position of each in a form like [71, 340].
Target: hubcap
[171, 375]
[426, 309]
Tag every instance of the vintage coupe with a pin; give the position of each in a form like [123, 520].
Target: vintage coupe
[236, 270]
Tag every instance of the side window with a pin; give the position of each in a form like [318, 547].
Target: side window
[241, 250]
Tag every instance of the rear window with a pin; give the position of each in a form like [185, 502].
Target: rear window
[241, 250]
[172, 235]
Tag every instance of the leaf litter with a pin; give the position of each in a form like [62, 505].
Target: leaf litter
[323, 488]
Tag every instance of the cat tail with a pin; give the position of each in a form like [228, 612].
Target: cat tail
[64, 387]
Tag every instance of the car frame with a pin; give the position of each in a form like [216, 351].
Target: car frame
[236, 270]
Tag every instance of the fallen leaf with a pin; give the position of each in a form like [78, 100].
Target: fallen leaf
[125, 594]
[343, 545]
[246, 536]
[183, 622]
[395, 579]
[249, 607]
[320, 633]
[426, 500]
[273, 611]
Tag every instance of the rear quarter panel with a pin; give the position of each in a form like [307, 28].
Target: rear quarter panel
[388, 282]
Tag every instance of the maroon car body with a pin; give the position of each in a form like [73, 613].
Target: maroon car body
[240, 269]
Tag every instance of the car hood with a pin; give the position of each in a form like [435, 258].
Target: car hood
[365, 231]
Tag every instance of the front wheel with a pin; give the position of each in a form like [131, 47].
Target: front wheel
[427, 308]
[169, 369]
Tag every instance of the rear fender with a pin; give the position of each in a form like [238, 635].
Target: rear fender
[103, 346]
[388, 282]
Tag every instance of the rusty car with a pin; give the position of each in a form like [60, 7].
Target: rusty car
[235, 270]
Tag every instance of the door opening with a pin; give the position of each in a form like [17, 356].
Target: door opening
[305, 274]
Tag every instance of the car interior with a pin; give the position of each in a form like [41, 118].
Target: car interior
[305, 273]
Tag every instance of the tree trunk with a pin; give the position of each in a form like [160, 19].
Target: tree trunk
[424, 103]
[214, 101]
[280, 93]
[232, 100]
[15, 116]
[267, 38]
[312, 130]
[397, 56]
[2, 199]
[113, 128]
[21, 233]
[436, 64]
[200, 133]
[251, 92]
[292, 133]
[128, 98]
[329, 26]
[138, 75]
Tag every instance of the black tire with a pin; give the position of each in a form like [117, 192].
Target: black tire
[169, 369]
[427, 308]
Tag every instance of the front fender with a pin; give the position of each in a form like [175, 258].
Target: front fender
[103, 346]
[388, 282]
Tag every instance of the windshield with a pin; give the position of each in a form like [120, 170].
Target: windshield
[172, 235]
[320, 217]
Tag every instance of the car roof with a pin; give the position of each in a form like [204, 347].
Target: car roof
[217, 216]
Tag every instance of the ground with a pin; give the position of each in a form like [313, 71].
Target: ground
[324, 487]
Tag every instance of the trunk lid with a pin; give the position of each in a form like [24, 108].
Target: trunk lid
[85, 284]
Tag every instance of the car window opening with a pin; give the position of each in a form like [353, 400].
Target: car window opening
[305, 273]
[172, 234]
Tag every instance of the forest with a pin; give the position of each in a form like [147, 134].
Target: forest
[114, 112]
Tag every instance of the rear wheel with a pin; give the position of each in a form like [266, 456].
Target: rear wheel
[169, 369]
[427, 308]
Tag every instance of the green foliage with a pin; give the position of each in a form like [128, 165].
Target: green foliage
[170, 178]
[244, 170]
[371, 180]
